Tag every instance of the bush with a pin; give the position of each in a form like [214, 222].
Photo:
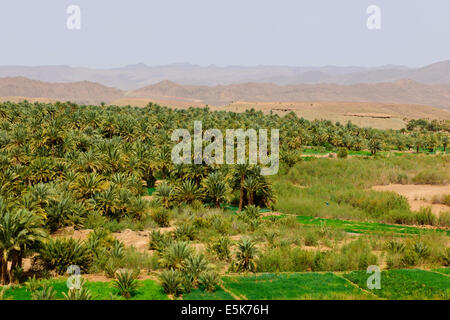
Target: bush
[174, 256]
[171, 281]
[195, 265]
[47, 293]
[425, 217]
[126, 283]
[422, 250]
[209, 281]
[78, 294]
[285, 259]
[311, 238]
[161, 217]
[444, 219]
[410, 258]
[445, 257]
[394, 246]
[221, 247]
[342, 153]
[431, 177]
[185, 232]
[159, 241]
[59, 254]
[400, 217]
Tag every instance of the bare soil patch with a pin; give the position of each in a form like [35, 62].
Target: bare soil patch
[138, 239]
[269, 214]
[70, 232]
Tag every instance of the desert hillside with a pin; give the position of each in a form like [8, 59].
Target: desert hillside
[403, 91]
[82, 92]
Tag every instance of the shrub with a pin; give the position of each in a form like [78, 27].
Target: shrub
[394, 246]
[444, 219]
[425, 217]
[185, 232]
[159, 241]
[161, 217]
[445, 257]
[219, 223]
[270, 237]
[171, 281]
[187, 283]
[174, 256]
[195, 265]
[400, 217]
[430, 177]
[33, 284]
[285, 259]
[342, 153]
[78, 294]
[59, 254]
[209, 281]
[47, 293]
[126, 283]
[221, 247]
[422, 250]
[117, 250]
[410, 258]
[311, 238]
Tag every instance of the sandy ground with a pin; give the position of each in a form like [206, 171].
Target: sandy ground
[138, 239]
[419, 195]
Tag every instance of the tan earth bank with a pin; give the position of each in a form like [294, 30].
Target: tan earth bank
[419, 196]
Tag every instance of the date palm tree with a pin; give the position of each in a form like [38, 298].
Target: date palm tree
[19, 230]
[216, 187]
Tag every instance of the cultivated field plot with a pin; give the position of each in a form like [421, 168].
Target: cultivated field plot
[294, 286]
[407, 284]
[365, 227]
[147, 290]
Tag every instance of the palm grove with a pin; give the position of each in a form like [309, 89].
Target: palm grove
[63, 163]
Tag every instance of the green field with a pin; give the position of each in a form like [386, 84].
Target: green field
[443, 270]
[395, 285]
[199, 294]
[365, 227]
[407, 284]
[147, 290]
[293, 287]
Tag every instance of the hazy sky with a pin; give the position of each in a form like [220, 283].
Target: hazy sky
[224, 32]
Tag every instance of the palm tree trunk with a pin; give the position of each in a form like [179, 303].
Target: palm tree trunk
[250, 197]
[5, 275]
[14, 264]
[241, 198]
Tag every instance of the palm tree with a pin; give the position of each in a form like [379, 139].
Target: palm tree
[164, 194]
[89, 184]
[216, 188]
[187, 192]
[374, 145]
[251, 184]
[19, 230]
[246, 255]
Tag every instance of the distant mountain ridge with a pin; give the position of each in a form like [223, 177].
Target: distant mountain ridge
[401, 91]
[398, 92]
[139, 75]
